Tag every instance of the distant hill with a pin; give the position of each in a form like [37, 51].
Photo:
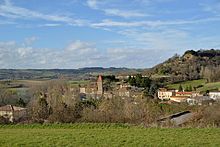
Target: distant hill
[191, 65]
[81, 73]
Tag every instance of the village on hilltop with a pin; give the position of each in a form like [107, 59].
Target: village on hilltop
[121, 88]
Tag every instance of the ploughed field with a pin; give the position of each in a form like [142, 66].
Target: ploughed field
[105, 135]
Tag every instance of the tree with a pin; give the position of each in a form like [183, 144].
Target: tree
[145, 83]
[190, 88]
[39, 109]
[138, 80]
[129, 78]
[153, 89]
[132, 81]
[180, 88]
[56, 103]
[21, 103]
[187, 88]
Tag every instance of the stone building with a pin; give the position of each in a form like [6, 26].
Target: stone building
[93, 89]
[124, 92]
[13, 113]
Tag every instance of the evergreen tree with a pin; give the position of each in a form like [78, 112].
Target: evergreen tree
[132, 81]
[190, 88]
[145, 83]
[180, 88]
[138, 80]
[187, 88]
[129, 79]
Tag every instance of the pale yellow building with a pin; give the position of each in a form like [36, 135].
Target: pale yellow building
[165, 94]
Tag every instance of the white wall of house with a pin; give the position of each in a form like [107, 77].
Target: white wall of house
[82, 90]
[214, 95]
[165, 95]
[179, 100]
[124, 93]
[7, 114]
[13, 115]
[191, 101]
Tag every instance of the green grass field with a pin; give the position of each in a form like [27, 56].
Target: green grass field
[196, 83]
[193, 83]
[210, 86]
[77, 83]
[105, 135]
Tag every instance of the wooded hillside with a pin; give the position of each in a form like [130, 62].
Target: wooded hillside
[191, 66]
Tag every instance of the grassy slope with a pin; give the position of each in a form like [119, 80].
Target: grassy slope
[195, 83]
[210, 86]
[105, 135]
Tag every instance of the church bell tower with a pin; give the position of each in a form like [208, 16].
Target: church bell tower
[100, 85]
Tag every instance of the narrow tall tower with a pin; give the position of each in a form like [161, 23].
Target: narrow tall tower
[100, 85]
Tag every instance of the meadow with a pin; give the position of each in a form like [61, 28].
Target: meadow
[201, 85]
[77, 83]
[105, 135]
[193, 83]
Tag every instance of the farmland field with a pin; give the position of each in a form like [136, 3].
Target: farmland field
[201, 85]
[210, 86]
[193, 83]
[77, 83]
[105, 135]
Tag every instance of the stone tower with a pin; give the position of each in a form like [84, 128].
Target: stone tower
[100, 85]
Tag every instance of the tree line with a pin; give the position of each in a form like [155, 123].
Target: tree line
[150, 86]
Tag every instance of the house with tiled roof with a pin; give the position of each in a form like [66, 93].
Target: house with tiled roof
[188, 94]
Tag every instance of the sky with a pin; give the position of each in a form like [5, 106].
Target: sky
[69, 34]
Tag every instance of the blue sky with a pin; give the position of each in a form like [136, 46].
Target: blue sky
[108, 33]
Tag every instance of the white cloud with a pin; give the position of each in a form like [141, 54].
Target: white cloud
[157, 23]
[167, 39]
[158, 47]
[24, 52]
[9, 10]
[30, 40]
[110, 23]
[92, 4]
[123, 13]
[76, 55]
[104, 7]
[50, 25]
[78, 45]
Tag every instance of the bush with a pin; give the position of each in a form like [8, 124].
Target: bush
[4, 121]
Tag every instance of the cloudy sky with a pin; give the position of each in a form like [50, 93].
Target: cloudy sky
[118, 33]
